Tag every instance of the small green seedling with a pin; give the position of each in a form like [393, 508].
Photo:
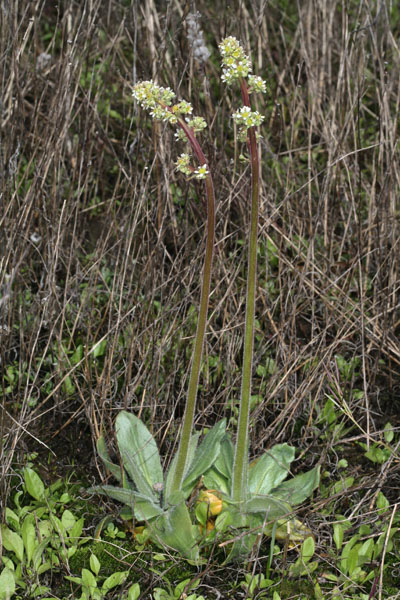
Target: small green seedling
[303, 567]
[380, 452]
[254, 584]
[359, 553]
[90, 579]
[38, 534]
[179, 592]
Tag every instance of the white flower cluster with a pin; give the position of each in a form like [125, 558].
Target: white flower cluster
[197, 124]
[149, 94]
[235, 63]
[159, 100]
[182, 164]
[246, 118]
[256, 84]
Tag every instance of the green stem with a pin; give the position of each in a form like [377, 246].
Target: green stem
[202, 319]
[239, 477]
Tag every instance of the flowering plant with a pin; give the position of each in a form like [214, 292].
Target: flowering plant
[157, 500]
[253, 497]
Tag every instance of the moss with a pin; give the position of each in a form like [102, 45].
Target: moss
[112, 557]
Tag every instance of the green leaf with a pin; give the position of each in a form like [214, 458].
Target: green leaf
[170, 475]
[344, 562]
[115, 579]
[94, 564]
[213, 480]
[38, 552]
[12, 542]
[68, 520]
[34, 485]
[12, 518]
[388, 433]
[352, 560]
[205, 455]
[103, 453]
[88, 579]
[307, 549]
[144, 507]
[76, 531]
[382, 503]
[180, 588]
[45, 528]
[366, 552]
[224, 462]
[338, 532]
[99, 348]
[139, 453]
[270, 469]
[270, 507]
[300, 487]
[134, 592]
[175, 530]
[28, 537]
[7, 584]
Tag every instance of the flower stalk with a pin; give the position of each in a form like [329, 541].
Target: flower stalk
[237, 66]
[159, 101]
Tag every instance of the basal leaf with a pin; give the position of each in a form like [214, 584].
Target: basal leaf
[175, 530]
[28, 537]
[144, 507]
[270, 508]
[224, 461]
[139, 453]
[7, 584]
[105, 457]
[213, 480]
[299, 488]
[205, 455]
[170, 475]
[267, 472]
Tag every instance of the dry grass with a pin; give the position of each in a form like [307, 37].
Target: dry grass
[102, 240]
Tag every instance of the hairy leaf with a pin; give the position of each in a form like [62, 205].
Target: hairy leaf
[299, 488]
[144, 507]
[205, 455]
[270, 469]
[169, 478]
[139, 453]
[175, 530]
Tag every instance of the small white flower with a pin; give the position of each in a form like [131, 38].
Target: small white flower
[201, 172]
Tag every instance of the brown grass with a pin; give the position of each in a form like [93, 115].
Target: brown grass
[102, 240]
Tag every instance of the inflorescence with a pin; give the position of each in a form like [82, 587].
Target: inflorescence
[236, 65]
[159, 101]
